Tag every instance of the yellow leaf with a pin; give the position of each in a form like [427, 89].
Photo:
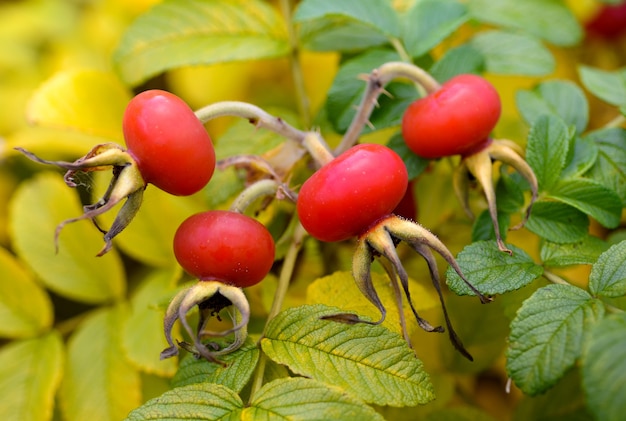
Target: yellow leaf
[99, 383]
[142, 337]
[36, 209]
[88, 101]
[340, 290]
[30, 372]
[25, 308]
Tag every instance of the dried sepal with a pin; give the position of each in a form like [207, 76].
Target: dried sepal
[509, 153]
[126, 183]
[380, 239]
[419, 237]
[361, 272]
[210, 297]
[379, 242]
[427, 254]
[479, 165]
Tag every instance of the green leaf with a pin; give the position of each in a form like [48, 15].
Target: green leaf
[306, 399]
[99, 383]
[296, 399]
[491, 270]
[25, 308]
[37, 207]
[429, 22]
[557, 222]
[200, 401]
[609, 86]
[224, 185]
[604, 368]
[178, 33]
[610, 166]
[591, 198]
[415, 165]
[558, 98]
[377, 14]
[91, 102]
[142, 335]
[53, 144]
[456, 61]
[369, 361]
[30, 372]
[339, 35]
[483, 228]
[581, 156]
[547, 335]
[515, 54]
[509, 191]
[546, 151]
[347, 89]
[340, 290]
[608, 274]
[240, 366]
[536, 17]
[584, 252]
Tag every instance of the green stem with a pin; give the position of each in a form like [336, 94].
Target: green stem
[397, 45]
[252, 113]
[317, 148]
[294, 62]
[556, 279]
[311, 140]
[261, 188]
[376, 82]
[284, 279]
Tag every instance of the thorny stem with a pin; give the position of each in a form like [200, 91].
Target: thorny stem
[296, 68]
[284, 279]
[257, 116]
[376, 81]
[311, 140]
[317, 148]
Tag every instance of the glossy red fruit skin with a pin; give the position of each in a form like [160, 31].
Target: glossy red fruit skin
[347, 195]
[457, 119]
[407, 207]
[171, 146]
[609, 22]
[224, 246]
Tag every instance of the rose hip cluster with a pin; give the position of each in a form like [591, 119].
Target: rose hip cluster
[168, 147]
[352, 195]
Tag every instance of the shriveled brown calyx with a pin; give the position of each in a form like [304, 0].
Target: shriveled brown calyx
[210, 297]
[379, 242]
[126, 183]
[480, 166]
